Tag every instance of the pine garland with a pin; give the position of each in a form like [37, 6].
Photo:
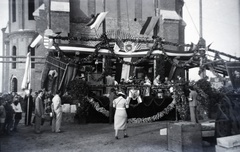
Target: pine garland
[159, 115]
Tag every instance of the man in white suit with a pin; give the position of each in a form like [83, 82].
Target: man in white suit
[57, 113]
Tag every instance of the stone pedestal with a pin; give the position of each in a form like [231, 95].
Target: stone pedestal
[184, 137]
[228, 144]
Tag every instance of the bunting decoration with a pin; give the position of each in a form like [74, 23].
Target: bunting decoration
[96, 21]
[149, 25]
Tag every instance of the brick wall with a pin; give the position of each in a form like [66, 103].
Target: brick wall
[128, 17]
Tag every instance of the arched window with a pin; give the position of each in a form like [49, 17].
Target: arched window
[14, 85]
[14, 53]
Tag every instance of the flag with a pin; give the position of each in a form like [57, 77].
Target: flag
[48, 42]
[116, 48]
[36, 41]
[97, 20]
[26, 83]
[149, 25]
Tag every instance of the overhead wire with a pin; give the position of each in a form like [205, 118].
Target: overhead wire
[191, 18]
[127, 15]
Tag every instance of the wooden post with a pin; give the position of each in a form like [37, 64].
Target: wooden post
[104, 21]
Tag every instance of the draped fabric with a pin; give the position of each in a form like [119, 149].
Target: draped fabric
[26, 83]
[149, 107]
[126, 69]
[69, 75]
[149, 25]
[52, 74]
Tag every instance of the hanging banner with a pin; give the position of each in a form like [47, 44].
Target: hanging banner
[233, 69]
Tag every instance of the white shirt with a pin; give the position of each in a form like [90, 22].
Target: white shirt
[57, 105]
[17, 108]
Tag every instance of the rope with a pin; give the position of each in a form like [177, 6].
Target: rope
[192, 19]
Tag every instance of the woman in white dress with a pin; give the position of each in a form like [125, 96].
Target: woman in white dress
[120, 117]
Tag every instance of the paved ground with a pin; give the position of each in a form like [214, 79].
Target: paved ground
[143, 137]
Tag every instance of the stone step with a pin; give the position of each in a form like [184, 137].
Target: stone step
[223, 149]
[229, 141]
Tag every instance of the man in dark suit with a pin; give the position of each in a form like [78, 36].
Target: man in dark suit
[28, 108]
[39, 111]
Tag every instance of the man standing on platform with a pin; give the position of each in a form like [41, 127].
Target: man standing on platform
[57, 113]
[193, 104]
[39, 111]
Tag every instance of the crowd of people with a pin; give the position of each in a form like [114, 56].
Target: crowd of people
[34, 107]
[10, 113]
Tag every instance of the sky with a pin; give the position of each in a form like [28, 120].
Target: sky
[220, 25]
[220, 19]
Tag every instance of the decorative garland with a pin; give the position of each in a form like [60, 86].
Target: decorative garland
[154, 117]
[176, 62]
[182, 105]
[97, 107]
[71, 38]
[202, 98]
[138, 120]
[105, 43]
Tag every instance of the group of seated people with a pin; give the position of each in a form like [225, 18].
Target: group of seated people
[137, 89]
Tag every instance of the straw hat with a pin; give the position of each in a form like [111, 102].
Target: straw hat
[121, 93]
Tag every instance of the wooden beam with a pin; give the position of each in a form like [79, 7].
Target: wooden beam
[34, 57]
[35, 62]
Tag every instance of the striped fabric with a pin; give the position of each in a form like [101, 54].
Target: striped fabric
[47, 42]
[149, 25]
[97, 20]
